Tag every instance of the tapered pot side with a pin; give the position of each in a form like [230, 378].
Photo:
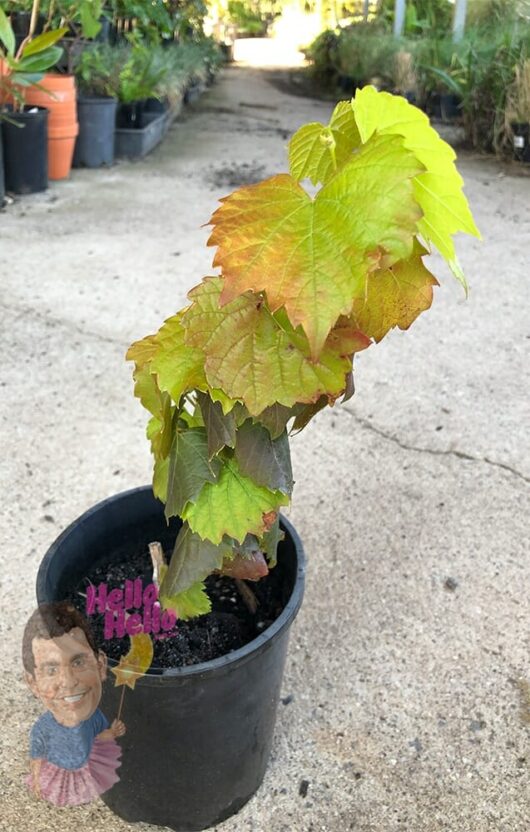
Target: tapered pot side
[25, 139]
[198, 738]
[95, 142]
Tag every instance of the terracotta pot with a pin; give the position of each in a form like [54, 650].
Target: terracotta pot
[60, 100]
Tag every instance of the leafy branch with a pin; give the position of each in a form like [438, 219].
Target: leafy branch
[305, 284]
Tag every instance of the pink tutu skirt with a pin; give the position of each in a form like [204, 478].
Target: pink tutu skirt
[70, 787]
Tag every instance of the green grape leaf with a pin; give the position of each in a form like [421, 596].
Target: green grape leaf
[312, 256]
[438, 190]
[394, 297]
[271, 538]
[220, 428]
[193, 559]
[189, 604]
[233, 506]
[265, 460]
[160, 429]
[179, 369]
[189, 469]
[160, 478]
[316, 150]
[259, 358]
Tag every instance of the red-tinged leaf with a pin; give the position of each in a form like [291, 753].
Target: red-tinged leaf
[269, 519]
[260, 358]
[310, 410]
[394, 297]
[220, 427]
[271, 539]
[312, 256]
[246, 569]
[276, 417]
[350, 388]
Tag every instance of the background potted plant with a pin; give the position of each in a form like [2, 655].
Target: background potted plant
[139, 79]
[304, 284]
[24, 127]
[97, 75]
[58, 91]
[518, 111]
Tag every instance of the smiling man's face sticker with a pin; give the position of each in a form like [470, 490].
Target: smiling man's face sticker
[68, 676]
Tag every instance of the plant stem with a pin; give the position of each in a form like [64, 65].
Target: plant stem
[32, 26]
[157, 558]
[249, 599]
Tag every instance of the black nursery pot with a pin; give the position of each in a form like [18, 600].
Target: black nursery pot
[130, 116]
[26, 151]
[95, 142]
[521, 141]
[198, 738]
[450, 107]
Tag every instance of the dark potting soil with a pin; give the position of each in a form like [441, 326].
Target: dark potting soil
[229, 626]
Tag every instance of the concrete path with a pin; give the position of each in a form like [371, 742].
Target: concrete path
[407, 691]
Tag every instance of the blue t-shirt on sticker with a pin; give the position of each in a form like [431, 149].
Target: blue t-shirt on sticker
[65, 747]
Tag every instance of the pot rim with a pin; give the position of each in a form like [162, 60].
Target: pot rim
[222, 663]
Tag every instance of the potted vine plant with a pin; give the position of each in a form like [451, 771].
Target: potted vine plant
[24, 127]
[304, 284]
[58, 93]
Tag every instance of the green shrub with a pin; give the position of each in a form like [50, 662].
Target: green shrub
[366, 52]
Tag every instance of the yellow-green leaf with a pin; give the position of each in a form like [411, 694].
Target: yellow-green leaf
[258, 357]
[312, 256]
[394, 297]
[188, 604]
[317, 151]
[438, 190]
[179, 369]
[234, 506]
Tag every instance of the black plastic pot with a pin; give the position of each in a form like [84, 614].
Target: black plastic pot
[138, 142]
[95, 142]
[26, 151]
[434, 105]
[129, 116]
[193, 92]
[521, 141]
[20, 22]
[198, 738]
[105, 33]
[450, 107]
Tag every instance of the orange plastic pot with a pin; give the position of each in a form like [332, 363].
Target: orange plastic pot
[60, 99]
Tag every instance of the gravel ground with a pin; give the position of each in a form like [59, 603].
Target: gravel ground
[407, 685]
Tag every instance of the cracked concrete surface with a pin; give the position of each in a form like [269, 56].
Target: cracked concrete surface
[406, 690]
[457, 454]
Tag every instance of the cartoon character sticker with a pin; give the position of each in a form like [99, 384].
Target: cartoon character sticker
[74, 755]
